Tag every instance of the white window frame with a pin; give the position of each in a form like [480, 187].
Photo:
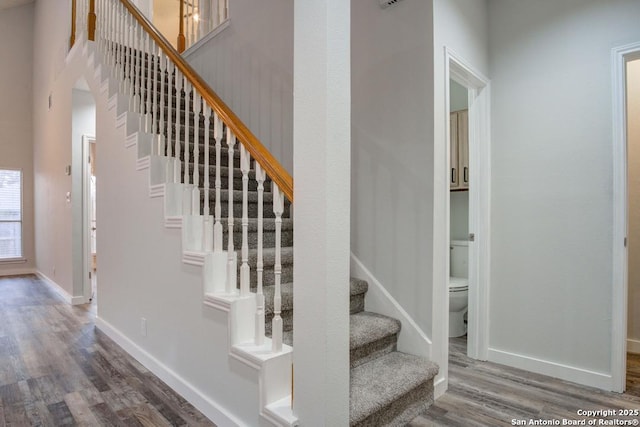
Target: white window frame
[21, 258]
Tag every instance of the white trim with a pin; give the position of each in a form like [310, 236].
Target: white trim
[188, 391]
[412, 338]
[633, 346]
[479, 203]
[19, 260]
[86, 220]
[440, 387]
[73, 300]
[16, 271]
[553, 369]
[204, 40]
[619, 56]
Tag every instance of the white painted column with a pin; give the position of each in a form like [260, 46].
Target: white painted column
[322, 163]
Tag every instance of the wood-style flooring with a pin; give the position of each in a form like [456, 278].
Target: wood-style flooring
[488, 394]
[56, 369]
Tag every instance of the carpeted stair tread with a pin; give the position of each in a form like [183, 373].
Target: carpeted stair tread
[380, 383]
[371, 335]
[367, 327]
[268, 224]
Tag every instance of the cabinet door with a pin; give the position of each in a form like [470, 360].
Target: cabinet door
[463, 148]
[453, 169]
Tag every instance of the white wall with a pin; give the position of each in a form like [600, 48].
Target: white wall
[392, 149]
[459, 215]
[16, 146]
[633, 144]
[458, 96]
[552, 182]
[250, 66]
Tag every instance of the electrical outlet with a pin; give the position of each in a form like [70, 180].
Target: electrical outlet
[143, 326]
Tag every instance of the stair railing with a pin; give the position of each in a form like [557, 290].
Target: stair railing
[151, 72]
[198, 18]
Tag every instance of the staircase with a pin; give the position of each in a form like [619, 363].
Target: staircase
[224, 201]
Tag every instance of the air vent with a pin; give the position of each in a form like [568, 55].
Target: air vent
[386, 3]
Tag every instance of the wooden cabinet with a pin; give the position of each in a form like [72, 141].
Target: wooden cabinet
[459, 171]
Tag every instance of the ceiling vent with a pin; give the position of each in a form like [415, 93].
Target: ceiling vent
[386, 3]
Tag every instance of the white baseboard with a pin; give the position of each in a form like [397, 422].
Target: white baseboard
[412, 338]
[440, 387]
[633, 346]
[16, 271]
[60, 290]
[552, 369]
[203, 403]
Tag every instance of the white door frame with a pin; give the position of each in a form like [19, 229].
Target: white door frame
[619, 58]
[86, 220]
[479, 200]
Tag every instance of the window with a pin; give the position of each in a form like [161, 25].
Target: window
[10, 214]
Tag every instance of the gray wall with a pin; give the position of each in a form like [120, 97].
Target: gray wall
[552, 180]
[392, 148]
[250, 66]
[16, 146]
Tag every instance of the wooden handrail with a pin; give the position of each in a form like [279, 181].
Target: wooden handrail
[181, 39]
[72, 39]
[91, 21]
[259, 152]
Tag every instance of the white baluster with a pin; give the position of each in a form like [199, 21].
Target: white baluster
[153, 64]
[187, 110]
[195, 196]
[130, 53]
[137, 97]
[245, 167]
[121, 44]
[259, 338]
[147, 95]
[276, 328]
[207, 239]
[217, 227]
[187, 18]
[162, 109]
[231, 256]
[169, 106]
[177, 164]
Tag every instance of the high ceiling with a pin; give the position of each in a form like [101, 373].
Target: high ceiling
[5, 4]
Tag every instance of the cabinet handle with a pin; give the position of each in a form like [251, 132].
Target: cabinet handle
[466, 174]
[453, 175]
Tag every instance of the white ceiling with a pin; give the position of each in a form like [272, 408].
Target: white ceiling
[6, 4]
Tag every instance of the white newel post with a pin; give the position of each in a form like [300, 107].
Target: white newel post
[322, 161]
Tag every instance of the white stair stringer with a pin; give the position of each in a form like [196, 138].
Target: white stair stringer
[274, 370]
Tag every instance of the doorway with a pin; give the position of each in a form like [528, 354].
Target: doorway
[89, 217]
[626, 240]
[476, 176]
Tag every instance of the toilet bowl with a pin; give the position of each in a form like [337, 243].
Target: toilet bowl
[458, 287]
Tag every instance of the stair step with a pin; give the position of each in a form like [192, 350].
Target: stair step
[268, 233]
[371, 335]
[358, 290]
[252, 203]
[390, 390]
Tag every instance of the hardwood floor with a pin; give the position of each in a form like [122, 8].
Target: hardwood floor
[488, 394]
[56, 369]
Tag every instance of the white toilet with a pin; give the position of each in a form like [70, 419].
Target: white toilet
[458, 287]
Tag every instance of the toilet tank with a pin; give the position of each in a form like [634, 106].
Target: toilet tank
[459, 258]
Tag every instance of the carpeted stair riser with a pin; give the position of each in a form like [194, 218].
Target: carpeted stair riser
[371, 335]
[268, 233]
[252, 204]
[401, 411]
[224, 177]
[268, 276]
[390, 390]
